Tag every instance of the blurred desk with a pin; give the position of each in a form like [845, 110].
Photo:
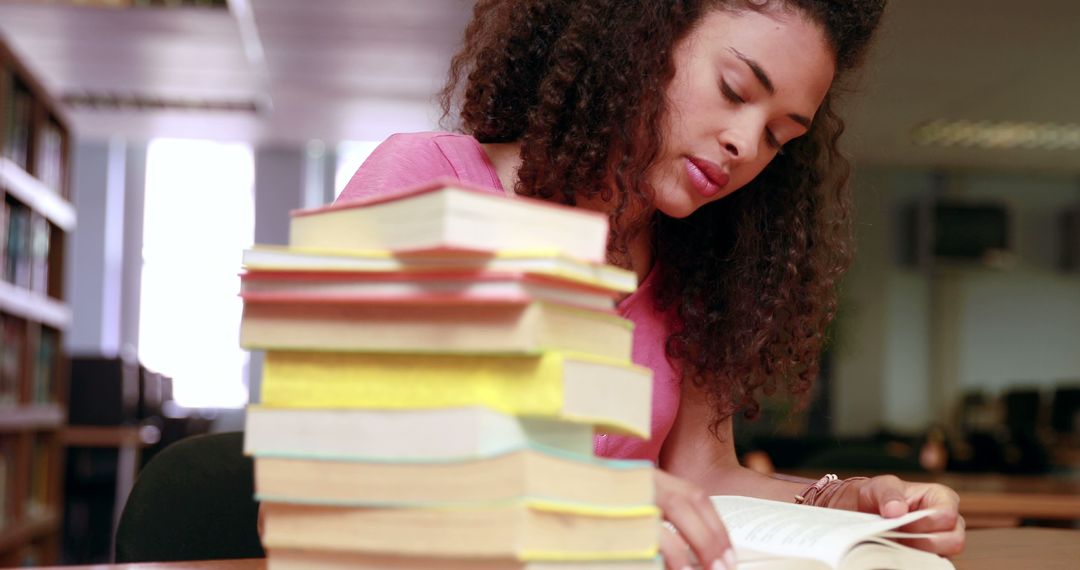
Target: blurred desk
[1021, 497]
[1011, 548]
[988, 549]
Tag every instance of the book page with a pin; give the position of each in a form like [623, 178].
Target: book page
[788, 529]
[881, 553]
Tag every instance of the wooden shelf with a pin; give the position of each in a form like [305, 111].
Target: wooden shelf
[103, 436]
[29, 418]
[34, 306]
[22, 532]
[36, 158]
[36, 195]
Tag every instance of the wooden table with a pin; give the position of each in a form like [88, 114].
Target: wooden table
[989, 549]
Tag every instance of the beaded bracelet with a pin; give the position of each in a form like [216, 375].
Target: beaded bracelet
[821, 492]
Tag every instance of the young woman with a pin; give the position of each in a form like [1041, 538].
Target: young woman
[706, 130]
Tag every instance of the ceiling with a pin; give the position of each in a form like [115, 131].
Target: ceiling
[361, 69]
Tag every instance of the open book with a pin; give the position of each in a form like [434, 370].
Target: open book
[773, 534]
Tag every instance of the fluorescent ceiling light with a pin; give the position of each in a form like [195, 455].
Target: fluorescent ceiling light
[999, 135]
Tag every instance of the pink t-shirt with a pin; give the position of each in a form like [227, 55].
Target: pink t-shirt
[409, 159]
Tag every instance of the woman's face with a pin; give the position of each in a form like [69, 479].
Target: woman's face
[745, 84]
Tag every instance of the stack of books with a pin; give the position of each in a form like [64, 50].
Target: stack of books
[436, 364]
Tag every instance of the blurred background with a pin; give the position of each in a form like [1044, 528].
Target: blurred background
[147, 143]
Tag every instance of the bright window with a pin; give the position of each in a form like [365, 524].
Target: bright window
[351, 154]
[200, 216]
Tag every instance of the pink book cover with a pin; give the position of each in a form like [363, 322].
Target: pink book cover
[516, 302]
[463, 276]
[455, 297]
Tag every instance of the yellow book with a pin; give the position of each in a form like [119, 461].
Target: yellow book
[542, 474]
[612, 394]
[449, 215]
[477, 328]
[520, 529]
[304, 559]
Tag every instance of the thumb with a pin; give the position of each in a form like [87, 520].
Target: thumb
[886, 494]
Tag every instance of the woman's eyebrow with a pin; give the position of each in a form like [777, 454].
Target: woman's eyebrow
[767, 83]
[756, 69]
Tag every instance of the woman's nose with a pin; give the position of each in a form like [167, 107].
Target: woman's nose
[738, 145]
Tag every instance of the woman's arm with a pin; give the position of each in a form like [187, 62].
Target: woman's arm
[693, 453]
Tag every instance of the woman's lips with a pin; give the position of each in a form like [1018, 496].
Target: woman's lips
[706, 176]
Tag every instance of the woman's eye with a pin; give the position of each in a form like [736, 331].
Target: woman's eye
[771, 140]
[730, 93]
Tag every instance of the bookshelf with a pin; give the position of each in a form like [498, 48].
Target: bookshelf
[36, 215]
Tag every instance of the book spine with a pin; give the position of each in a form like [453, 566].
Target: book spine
[7, 486]
[39, 254]
[44, 379]
[5, 221]
[11, 354]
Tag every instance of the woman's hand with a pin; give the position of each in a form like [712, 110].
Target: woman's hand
[892, 497]
[697, 527]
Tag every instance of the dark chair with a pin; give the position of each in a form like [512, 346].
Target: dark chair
[1065, 409]
[193, 501]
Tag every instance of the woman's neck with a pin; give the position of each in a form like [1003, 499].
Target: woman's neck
[506, 158]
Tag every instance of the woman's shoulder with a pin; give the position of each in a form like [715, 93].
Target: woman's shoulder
[427, 141]
[410, 159]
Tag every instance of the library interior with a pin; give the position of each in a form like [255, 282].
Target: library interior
[166, 308]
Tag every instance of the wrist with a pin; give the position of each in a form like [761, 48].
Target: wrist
[832, 492]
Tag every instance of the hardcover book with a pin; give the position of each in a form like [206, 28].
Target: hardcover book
[447, 214]
[494, 328]
[520, 529]
[612, 394]
[543, 475]
[447, 434]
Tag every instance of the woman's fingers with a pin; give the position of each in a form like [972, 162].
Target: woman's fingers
[884, 495]
[673, 548]
[949, 543]
[942, 500]
[688, 508]
[891, 497]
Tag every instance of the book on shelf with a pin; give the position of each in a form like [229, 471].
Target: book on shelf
[615, 395]
[39, 254]
[447, 214]
[17, 262]
[37, 503]
[19, 115]
[43, 380]
[773, 534]
[299, 559]
[12, 355]
[421, 288]
[443, 328]
[7, 466]
[5, 220]
[50, 156]
[541, 262]
[447, 434]
[534, 473]
[519, 529]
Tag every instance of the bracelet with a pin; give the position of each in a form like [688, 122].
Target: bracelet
[821, 492]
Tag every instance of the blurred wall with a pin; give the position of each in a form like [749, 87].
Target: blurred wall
[910, 340]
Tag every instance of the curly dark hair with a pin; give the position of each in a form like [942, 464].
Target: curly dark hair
[581, 85]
